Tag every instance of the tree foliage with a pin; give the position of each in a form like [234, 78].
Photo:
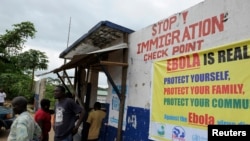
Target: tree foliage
[49, 91]
[12, 42]
[33, 60]
[16, 68]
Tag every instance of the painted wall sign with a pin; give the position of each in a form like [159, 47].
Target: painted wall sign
[203, 88]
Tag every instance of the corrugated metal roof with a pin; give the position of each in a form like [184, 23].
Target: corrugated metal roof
[116, 47]
[98, 37]
[89, 57]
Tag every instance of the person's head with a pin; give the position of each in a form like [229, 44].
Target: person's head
[1, 90]
[45, 104]
[69, 95]
[19, 104]
[97, 106]
[59, 92]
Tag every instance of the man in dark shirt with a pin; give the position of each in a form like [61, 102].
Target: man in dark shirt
[66, 111]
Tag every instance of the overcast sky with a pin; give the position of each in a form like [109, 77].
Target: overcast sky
[52, 17]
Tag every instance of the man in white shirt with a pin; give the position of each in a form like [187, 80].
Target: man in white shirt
[2, 97]
[24, 127]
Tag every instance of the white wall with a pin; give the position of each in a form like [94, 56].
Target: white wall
[234, 28]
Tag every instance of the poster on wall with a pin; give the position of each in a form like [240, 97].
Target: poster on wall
[115, 108]
[195, 90]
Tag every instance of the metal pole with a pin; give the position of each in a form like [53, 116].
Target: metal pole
[65, 60]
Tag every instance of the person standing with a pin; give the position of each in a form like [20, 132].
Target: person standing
[43, 118]
[66, 113]
[94, 122]
[2, 97]
[24, 128]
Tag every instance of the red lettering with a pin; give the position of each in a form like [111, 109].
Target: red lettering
[163, 26]
[203, 120]
[154, 31]
[156, 55]
[183, 63]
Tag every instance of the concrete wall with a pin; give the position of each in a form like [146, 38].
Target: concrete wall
[205, 25]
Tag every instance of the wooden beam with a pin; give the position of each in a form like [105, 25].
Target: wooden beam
[67, 76]
[113, 63]
[63, 81]
[123, 91]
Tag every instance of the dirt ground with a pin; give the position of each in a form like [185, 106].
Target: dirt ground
[3, 135]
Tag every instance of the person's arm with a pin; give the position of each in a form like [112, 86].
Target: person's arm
[53, 121]
[38, 131]
[79, 121]
[40, 123]
[22, 132]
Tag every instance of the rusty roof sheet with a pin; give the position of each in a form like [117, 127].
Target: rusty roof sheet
[100, 35]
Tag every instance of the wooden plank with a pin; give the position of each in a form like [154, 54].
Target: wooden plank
[113, 63]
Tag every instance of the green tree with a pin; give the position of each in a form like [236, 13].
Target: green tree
[49, 94]
[33, 60]
[14, 77]
[12, 43]
[49, 91]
